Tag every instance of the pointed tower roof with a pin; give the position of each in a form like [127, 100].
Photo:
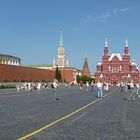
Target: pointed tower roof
[86, 71]
[133, 63]
[106, 43]
[126, 43]
[85, 63]
[99, 63]
[61, 44]
[106, 48]
[126, 50]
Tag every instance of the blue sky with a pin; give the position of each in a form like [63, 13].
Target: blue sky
[29, 29]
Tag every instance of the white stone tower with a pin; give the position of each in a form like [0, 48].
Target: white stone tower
[61, 58]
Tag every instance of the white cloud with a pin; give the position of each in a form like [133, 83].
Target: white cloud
[106, 15]
[88, 19]
[124, 9]
[121, 10]
[113, 12]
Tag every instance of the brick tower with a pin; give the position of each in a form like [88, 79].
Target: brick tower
[85, 71]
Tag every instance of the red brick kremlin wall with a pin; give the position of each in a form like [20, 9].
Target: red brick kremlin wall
[11, 73]
[67, 74]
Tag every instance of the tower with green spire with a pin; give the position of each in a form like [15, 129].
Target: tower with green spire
[61, 46]
[61, 39]
[61, 58]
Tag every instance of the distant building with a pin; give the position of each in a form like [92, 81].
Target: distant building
[9, 60]
[61, 60]
[115, 68]
[69, 74]
[85, 71]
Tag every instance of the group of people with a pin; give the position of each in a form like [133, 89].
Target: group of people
[30, 86]
[100, 87]
[87, 85]
[131, 89]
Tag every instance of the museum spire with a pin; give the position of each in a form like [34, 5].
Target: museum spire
[106, 48]
[106, 43]
[126, 51]
[126, 43]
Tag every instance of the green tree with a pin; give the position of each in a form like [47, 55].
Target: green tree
[84, 79]
[58, 74]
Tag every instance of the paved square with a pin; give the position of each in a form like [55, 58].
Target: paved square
[77, 115]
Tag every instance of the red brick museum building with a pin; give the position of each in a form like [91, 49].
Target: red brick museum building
[115, 68]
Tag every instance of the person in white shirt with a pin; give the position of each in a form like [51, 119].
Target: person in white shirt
[106, 87]
[99, 89]
[131, 95]
[137, 88]
[18, 88]
[87, 85]
[39, 86]
[55, 86]
[92, 85]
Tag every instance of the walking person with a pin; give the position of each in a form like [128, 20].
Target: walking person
[87, 85]
[132, 92]
[121, 86]
[137, 88]
[126, 87]
[55, 86]
[92, 85]
[106, 87]
[81, 85]
[99, 89]
[39, 86]
[18, 88]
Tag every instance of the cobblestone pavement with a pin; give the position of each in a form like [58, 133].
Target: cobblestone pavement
[109, 118]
